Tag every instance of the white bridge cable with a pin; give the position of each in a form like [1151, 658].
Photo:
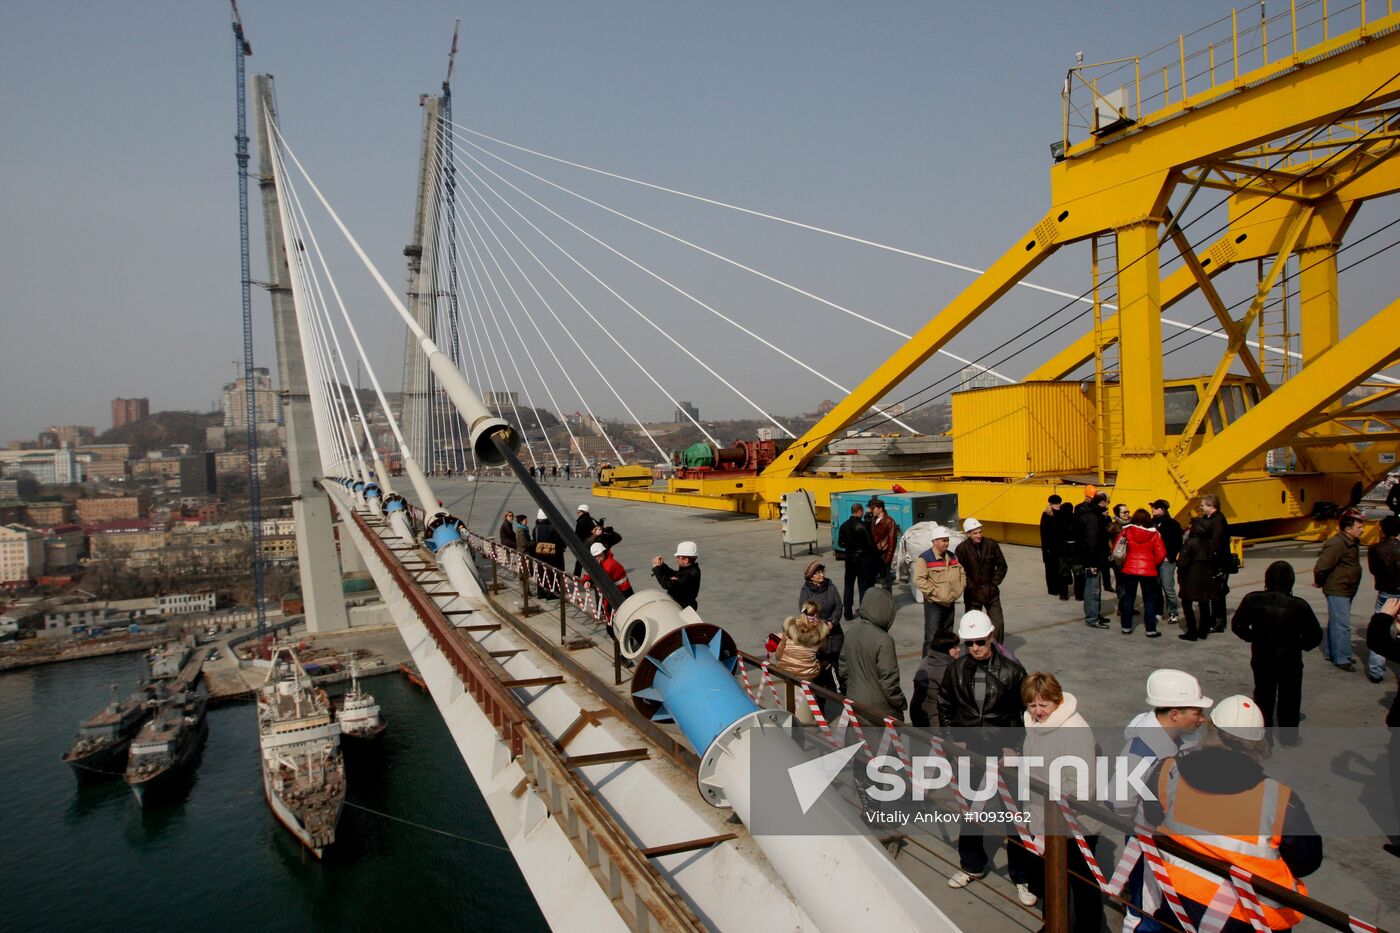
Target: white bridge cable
[643, 369]
[491, 344]
[739, 265]
[476, 295]
[479, 270]
[426, 299]
[310, 309]
[547, 343]
[874, 244]
[319, 417]
[569, 333]
[328, 327]
[394, 426]
[519, 337]
[325, 362]
[658, 328]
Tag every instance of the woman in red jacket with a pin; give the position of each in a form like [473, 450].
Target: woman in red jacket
[1145, 553]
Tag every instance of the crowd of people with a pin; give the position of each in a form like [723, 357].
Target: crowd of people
[839, 638]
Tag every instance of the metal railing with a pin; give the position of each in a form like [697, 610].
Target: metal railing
[642, 897]
[1218, 58]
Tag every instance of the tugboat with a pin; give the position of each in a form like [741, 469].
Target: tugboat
[303, 771]
[358, 713]
[164, 751]
[101, 749]
[410, 670]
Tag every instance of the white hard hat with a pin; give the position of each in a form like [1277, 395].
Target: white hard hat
[939, 532]
[974, 624]
[540, 516]
[971, 525]
[1167, 688]
[597, 550]
[1240, 716]
[687, 549]
[583, 508]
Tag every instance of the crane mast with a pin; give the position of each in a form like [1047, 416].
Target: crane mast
[241, 50]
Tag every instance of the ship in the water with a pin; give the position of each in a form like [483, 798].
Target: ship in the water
[103, 740]
[415, 677]
[167, 661]
[357, 712]
[303, 772]
[163, 753]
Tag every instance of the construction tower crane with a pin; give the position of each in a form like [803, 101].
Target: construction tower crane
[243, 49]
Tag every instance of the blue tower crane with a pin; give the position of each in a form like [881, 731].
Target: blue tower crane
[241, 50]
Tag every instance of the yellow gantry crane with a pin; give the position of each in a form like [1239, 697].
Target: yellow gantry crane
[1299, 142]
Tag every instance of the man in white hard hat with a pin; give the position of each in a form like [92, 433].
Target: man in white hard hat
[982, 688]
[1219, 803]
[1177, 711]
[985, 566]
[611, 567]
[940, 581]
[584, 527]
[683, 583]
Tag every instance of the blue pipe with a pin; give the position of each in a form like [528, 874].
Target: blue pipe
[443, 533]
[698, 691]
[371, 491]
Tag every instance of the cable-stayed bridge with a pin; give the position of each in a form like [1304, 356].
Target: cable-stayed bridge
[1258, 169]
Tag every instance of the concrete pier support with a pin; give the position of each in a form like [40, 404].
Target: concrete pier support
[316, 552]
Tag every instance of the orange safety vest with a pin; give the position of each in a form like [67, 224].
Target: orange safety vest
[1244, 829]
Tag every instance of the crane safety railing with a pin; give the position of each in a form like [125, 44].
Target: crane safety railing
[640, 893]
[768, 685]
[1250, 45]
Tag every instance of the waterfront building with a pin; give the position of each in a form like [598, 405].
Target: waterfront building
[21, 555]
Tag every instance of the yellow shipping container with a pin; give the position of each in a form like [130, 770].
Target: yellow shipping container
[1030, 427]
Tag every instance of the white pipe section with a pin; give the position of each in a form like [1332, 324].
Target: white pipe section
[399, 522]
[822, 871]
[454, 561]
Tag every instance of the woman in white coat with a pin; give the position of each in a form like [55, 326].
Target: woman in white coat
[1054, 729]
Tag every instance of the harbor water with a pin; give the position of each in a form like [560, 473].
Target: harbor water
[88, 857]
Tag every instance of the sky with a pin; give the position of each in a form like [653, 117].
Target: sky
[921, 125]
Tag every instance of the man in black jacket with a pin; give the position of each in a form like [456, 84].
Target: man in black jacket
[1052, 548]
[1220, 549]
[549, 548]
[985, 567]
[1383, 560]
[1383, 637]
[683, 583]
[583, 527]
[853, 537]
[1091, 529]
[982, 689]
[1170, 530]
[1279, 627]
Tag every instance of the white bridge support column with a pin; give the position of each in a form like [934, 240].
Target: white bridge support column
[316, 554]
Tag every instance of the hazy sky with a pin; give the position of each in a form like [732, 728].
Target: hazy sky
[918, 124]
